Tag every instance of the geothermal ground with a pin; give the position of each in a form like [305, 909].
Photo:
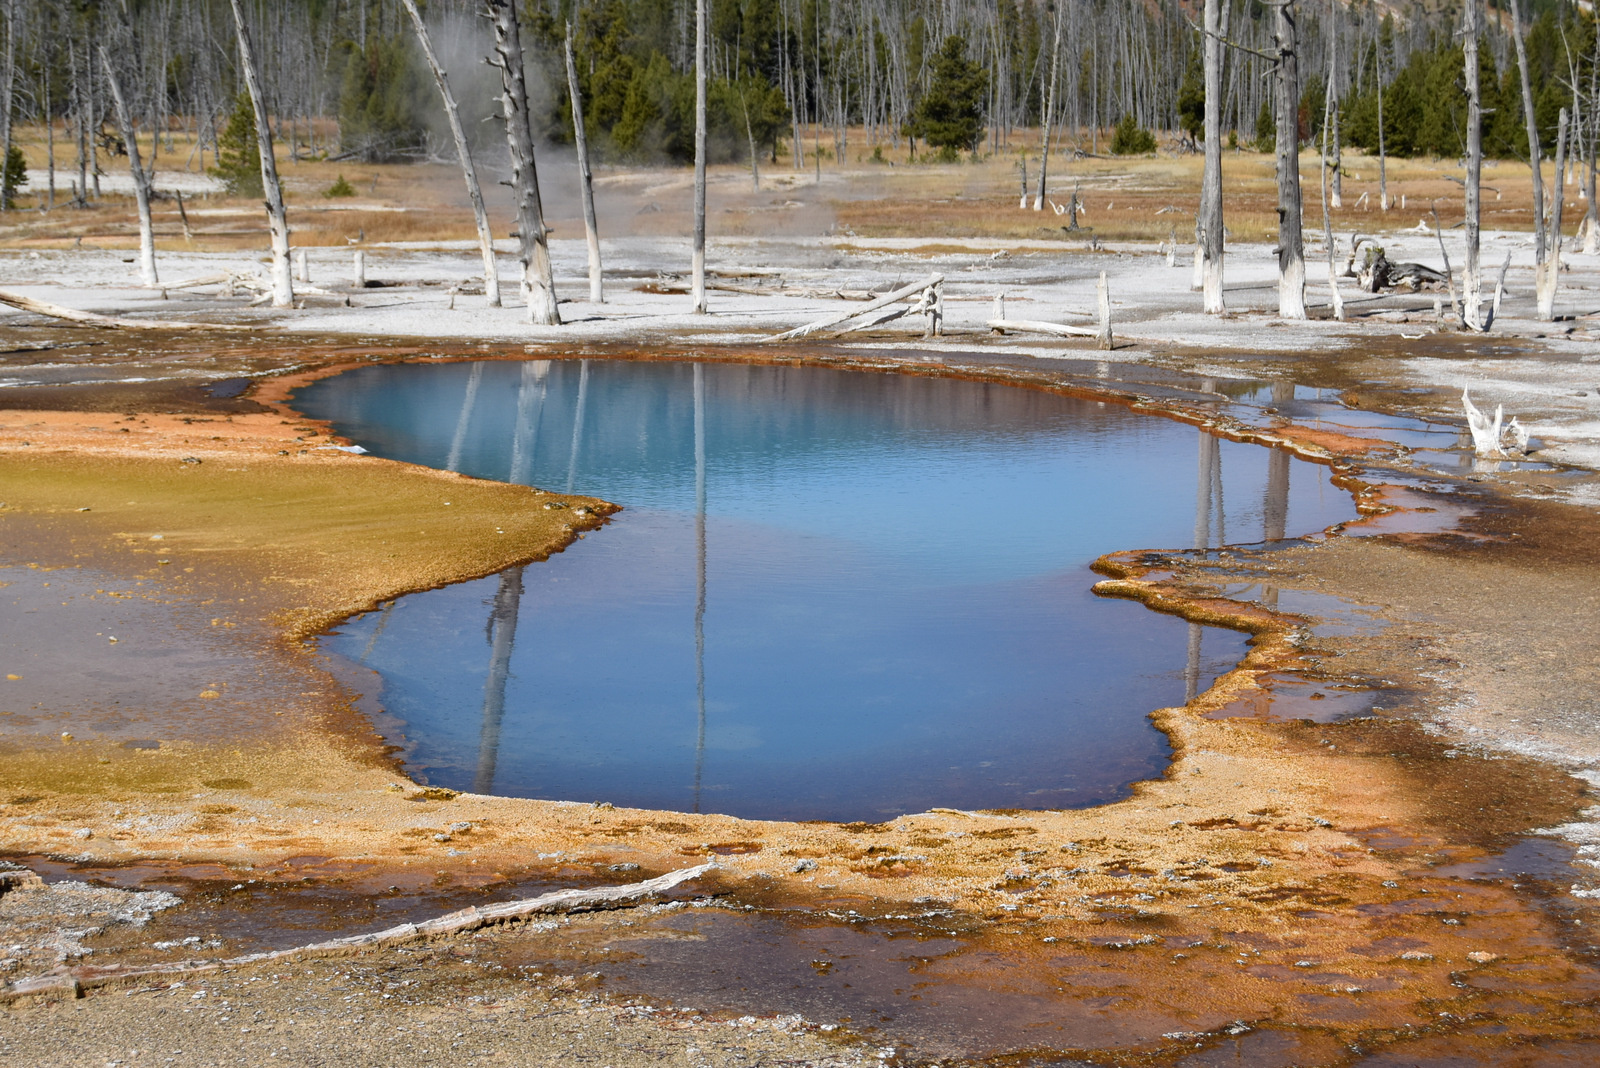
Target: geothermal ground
[1369, 847]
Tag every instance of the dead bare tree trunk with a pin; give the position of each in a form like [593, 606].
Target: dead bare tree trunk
[1327, 220]
[141, 177]
[491, 270]
[1049, 111]
[698, 255]
[277, 218]
[1291, 253]
[1383, 153]
[8, 79]
[1472, 279]
[1330, 123]
[586, 176]
[1550, 277]
[1591, 141]
[538, 280]
[1535, 154]
[1209, 219]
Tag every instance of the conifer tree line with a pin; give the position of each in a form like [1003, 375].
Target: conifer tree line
[797, 77]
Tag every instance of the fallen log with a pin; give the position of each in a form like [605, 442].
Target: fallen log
[1102, 333]
[1035, 326]
[74, 981]
[109, 322]
[834, 320]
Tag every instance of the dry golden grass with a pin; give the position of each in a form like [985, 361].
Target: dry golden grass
[1146, 199]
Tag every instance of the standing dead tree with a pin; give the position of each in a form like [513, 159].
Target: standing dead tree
[1472, 279]
[538, 279]
[141, 175]
[1543, 278]
[698, 255]
[1049, 109]
[1208, 220]
[491, 271]
[277, 218]
[8, 80]
[1327, 219]
[586, 176]
[1291, 253]
[1546, 288]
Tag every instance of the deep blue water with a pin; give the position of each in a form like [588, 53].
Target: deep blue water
[886, 608]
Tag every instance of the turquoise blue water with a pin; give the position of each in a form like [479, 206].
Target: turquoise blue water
[845, 596]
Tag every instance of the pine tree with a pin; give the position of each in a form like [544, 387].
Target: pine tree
[950, 113]
[238, 158]
[385, 102]
[1131, 139]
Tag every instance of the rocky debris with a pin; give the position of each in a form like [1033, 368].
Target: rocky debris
[43, 925]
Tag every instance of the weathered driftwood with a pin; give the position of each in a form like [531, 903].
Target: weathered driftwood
[834, 320]
[74, 981]
[1101, 333]
[1377, 272]
[108, 322]
[1485, 435]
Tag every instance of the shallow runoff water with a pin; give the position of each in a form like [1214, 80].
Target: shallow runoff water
[830, 595]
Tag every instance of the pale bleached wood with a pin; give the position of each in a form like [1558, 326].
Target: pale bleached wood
[277, 217]
[480, 215]
[57, 311]
[834, 320]
[74, 981]
[591, 227]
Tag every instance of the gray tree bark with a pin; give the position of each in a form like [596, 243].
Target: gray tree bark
[491, 270]
[1049, 110]
[1535, 153]
[1550, 277]
[1291, 252]
[8, 80]
[538, 279]
[591, 229]
[698, 287]
[141, 177]
[277, 218]
[1209, 219]
[1472, 279]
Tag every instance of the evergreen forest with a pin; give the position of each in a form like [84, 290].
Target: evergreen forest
[788, 79]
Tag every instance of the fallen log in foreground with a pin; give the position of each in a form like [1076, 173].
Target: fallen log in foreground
[1000, 324]
[108, 322]
[834, 320]
[74, 981]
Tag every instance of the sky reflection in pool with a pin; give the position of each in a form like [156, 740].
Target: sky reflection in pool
[885, 607]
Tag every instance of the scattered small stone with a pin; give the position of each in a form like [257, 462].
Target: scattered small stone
[206, 694]
[805, 865]
[186, 459]
[441, 838]
[625, 867]
[462, 827]
[83, 833]
[1478, 956]
[1415, 954]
